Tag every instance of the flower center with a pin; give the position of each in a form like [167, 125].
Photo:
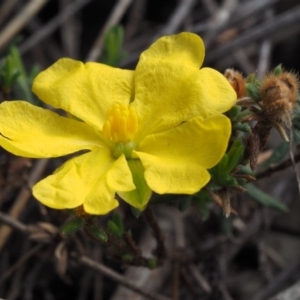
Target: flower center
[120, 127]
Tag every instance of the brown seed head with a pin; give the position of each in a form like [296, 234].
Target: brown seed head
[237, 81]
[279, 95]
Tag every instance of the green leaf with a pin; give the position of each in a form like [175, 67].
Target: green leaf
[96, 232]
[234, 112]
[265, 199]
[244, 127]
[234, 155]
[113, 41]
[118, 221]
[114, 229]
[139, 197]
[253, 90]
[72, 226]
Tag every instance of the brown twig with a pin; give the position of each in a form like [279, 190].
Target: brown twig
[271, 170]
[269, 28]
[46, 30]
[160, 250]
[114, 18]
[20, 261]
[16, 24]
[179, 15]
[86, 261]
[90, 263]
[22, 198]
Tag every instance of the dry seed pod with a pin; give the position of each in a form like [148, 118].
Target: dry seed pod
[237, 81]
[279, 95]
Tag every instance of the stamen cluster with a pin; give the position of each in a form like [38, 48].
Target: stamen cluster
[121, 124]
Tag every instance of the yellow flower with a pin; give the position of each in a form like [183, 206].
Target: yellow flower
[156, 128]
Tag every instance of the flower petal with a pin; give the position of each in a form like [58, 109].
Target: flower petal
[216, 95]
[165, 85]
[31, 131]
[81, 180]
[175, 160]
[184, 48]
[86, 91]
[170, 88]
[119, 176]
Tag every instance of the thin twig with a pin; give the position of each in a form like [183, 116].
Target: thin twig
[113, 19]
[16, 24]
[20, 261]
[22, 198]
[269, 28]
[6, 8]
[86, 261]
[284, 165]
[181, 12]
[70, 32]
[278, 282]
[160, 250]
[52, 25]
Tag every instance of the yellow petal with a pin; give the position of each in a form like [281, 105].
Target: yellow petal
[81, 180]
[119, 176]
[175, 160]
[184, 49]
[170, 88]
[165, 87]
[31, 131]
[216, 95]
[86, 91]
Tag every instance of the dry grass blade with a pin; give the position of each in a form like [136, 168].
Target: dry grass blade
[114, 18]
[269, 28]
[22, 199]
[46, 30]
[15, 25]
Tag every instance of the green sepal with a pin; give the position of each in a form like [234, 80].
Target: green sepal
[72, 226]
[265, 199]
[253, 91]
[234, 112]
[278, 70]
[244, 127]
[139, 197]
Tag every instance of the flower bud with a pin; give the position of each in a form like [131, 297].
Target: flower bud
[237, 82]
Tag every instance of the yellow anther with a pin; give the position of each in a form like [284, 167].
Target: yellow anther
[121, 124]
